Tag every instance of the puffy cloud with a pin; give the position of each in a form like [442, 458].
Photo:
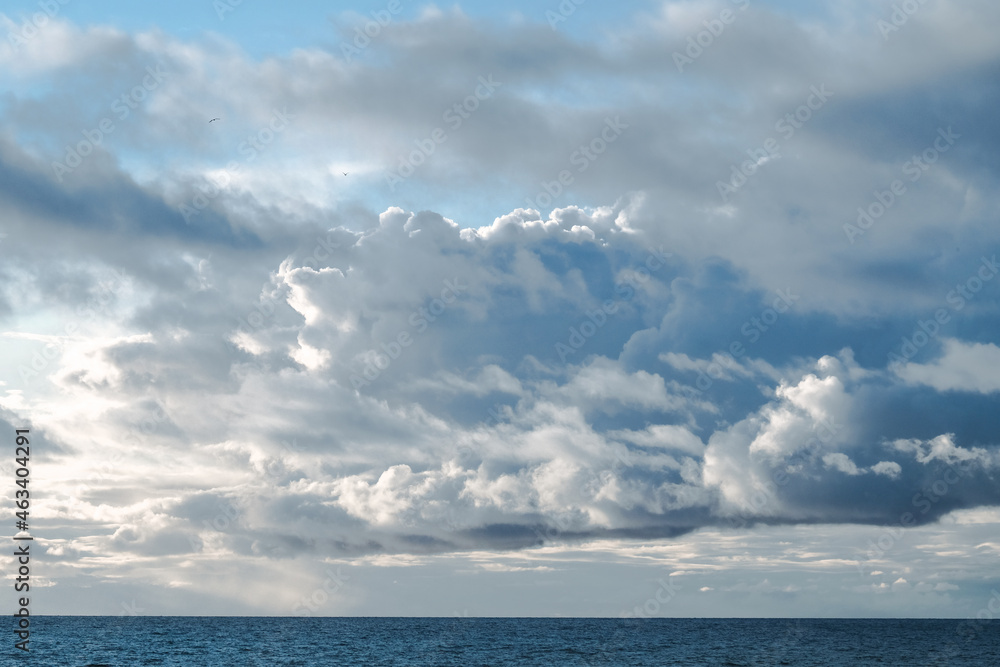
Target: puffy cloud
[841, 462]
[943, 448]
[339, 369]
[890, 469]
[962, 367]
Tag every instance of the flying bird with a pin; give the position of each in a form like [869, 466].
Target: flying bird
[214, 119]
[345, 173]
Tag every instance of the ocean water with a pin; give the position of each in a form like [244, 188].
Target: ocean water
[92, 641]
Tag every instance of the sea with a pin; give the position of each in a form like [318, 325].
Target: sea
[97, 641]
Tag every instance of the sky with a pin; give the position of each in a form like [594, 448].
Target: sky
[504, 309]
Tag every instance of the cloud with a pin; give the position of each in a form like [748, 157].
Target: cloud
[890, 469]
[315, 367]
[454, 440]
[944, 449]
[962, 367]
[841, 462]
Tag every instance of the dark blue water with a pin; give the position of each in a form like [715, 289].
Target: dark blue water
[470, 642]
